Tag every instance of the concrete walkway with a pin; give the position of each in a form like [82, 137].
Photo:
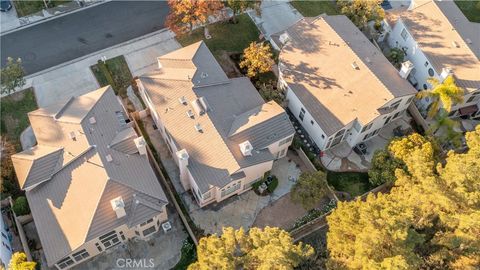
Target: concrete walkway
[276, 16]
[75, 78]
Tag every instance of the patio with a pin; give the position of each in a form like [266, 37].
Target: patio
[343, 158]
[236, 211]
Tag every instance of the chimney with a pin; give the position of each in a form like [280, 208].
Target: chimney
[118, 206]
[445, 73]
[246, 148]
[141, 145]
[406, 68]
[183, 157]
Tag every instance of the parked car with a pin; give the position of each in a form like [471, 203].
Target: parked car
[5, 5]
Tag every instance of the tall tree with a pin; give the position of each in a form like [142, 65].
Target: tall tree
[429, 220]
[12, 76]
[310, 188]
[443, 94]
[19, 262]
[239, 6]
[383, 167]
[185, 14]
[257, 58]
[360, 12]
[443, 127]
[257, 249]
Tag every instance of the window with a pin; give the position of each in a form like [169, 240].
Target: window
[302, 114]
[404, 34]
[388, 120]
[371, 134]
[311, 122]
[394, 106]
[396, 115]
[148, 231]
[109, 239]
[473, 97]
[410, 100]
[4, 236]
[287, 140]
[146, 222]
[431, 72]
[425, 86]
[98, 247]
[426, 64]
[230, 189]
[65, 263]
[81, 255]
[122, 235]
[367, 127]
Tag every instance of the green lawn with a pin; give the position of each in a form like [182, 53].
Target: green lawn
[14, 109]
[28, 7]
[315, 8]
[115, 72]
[470, 8]
[225, 36]
[352, 182]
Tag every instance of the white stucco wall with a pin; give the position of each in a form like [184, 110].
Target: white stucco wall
[315, 131]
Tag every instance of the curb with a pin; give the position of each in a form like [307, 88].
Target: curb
[94, 53]
[53, 17]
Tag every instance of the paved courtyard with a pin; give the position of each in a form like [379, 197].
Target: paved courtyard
[343, 158]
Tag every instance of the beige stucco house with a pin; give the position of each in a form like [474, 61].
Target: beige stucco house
[221, 133]
[88, 181]
[339, 86]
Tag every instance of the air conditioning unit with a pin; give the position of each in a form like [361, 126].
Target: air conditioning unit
[141, 145]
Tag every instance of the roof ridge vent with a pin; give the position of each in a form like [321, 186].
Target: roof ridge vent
[455, 44]
[190, 114]
[198, 127]
[182, 100]
[355, 65]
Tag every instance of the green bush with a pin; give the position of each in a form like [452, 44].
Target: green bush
[103, 68]
[273, 185]
[297, 143]
[257, 184]
[20, 207]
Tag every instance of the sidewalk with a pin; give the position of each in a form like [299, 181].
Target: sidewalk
[11, 22]
[75, 77]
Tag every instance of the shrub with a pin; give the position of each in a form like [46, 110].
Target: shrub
[20, 207]
[396, 56]
[297, 143]
[257, 184]
[104, 69]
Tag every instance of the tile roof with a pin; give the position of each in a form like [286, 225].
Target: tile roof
[73, 205]
[214, 155]
[447, 38]
[337, 73]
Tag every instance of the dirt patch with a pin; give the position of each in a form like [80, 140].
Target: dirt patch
[228, 65]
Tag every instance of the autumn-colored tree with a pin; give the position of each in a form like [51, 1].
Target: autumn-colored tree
[429, 220]
[383, 167]
[12, 76]
[442, 94]
[310, 188]
[19, 262]
[360, 12]
[257, 249]
[185, 14]
[257, 58]
[239, 6]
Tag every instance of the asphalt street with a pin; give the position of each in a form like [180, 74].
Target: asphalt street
[68, 37]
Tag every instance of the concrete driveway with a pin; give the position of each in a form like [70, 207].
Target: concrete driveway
[75, 78]
[276, 16]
